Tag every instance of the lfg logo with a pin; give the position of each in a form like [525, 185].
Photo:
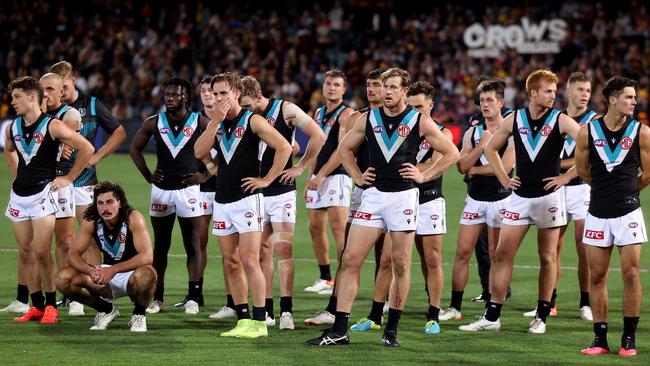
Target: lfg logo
[527, 37]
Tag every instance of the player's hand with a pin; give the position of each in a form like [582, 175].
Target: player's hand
[195, 178]
[512, 183]
[555, 183]
[93, 161]
[219, 110]
[367, 178]
[290, 175]
[66, 152]
[315, 182]
[410, 171]
[156, 177]
[60, 182]
[253, 183]
[485, 138]
[104, 274]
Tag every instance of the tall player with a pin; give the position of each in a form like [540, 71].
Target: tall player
[538, 132]
[175, 185]
[393, 134]
[121, 234]
[329, 188]
[280, 196]
[486, 197]
[31, 148]
[610, 150]
[239, 205]
[576, 192]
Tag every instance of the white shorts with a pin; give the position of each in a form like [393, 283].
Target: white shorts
[483, 212]
[280, 208]
[334, 191]
[64, 198]
[207, 202]
[83, 196]
[119, 284]
[544, 212]
[619, 231]
[240, 216]
[32, 207]
[431, 218]
[184, 202]
[392, 211]
[577, 201]
[355, 202]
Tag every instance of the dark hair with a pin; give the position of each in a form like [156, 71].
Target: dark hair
[422, 87]
[496, 85]
[92, 214]
[375, 74]
[184, 84]
[28, 84]
[206, 80]
[335, 73]
[578, 77]
[615, 85]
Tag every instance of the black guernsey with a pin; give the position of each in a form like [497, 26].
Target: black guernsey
[65, 165]
[615, 160]
[275, 118]
[538, 144]
[237, 157]
[432, 189]
[485, 187]
[37, 154]
[175, 149]
[93, 112]
[363, 155]
[569, 149]
[329, 123]
[116, 244]
[210, 184]
[392, 141]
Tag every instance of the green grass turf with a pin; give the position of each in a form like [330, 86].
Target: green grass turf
[174, 338]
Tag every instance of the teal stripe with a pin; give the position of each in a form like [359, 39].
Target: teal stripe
[93, 111]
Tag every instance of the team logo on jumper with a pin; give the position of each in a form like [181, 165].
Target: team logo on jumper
[593, 234]
[114, 248]
[613, 158]
[29, 150]
[390, 145]
[408, 212]
[569, 143]
[403, 130]
[362, 215]
[626, 143]
[228, 145]
[633, 225]
[239, 132]
[176, 143]
[220, 131]
[219, 225]
[425, 145]
[470, 215]
[188, 131]
[18, 138]
[326, 125]
[511, 215]
[533, 145]
[271, 121]
[546, 130]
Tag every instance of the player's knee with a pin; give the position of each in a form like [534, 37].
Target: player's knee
[463, 255]
[400, 265]
[63, 279]
[385, 263]
[433, 260]
[43, 255]
[232, 263]
[250, 262]
[281, 243]
[316, 226]
[547, 259]
[144, 277]
[631, 276]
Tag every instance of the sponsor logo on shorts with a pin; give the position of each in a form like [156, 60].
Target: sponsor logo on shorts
[378, 129]
[600, 142]
[271, 121]
[310, 199]
[191, 201]
[42, 201]
[511, 215]
[157, 207]
[552, 209]
[249, 214]
[351, 213]
[435, 217]
[594, 234]
[62, 201]
[13, 212]
[164, 130]
[524, 130]
[408, 212]
[288, 206]
[188, 131]
[362, 215]
[204, 205]
[502, 211]
[546, 130]
[219, 225]
[332, 191]
[626, 143]
[470, 215]
[633, 225]
[239, 132]
[403, 130]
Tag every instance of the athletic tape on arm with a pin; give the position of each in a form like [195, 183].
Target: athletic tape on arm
[301, 118]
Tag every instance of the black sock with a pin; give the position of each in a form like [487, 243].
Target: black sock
[331, 306]
[543, 309]
[38, 301]
[553, 298]
[259, 313]
[584, 299]
[201, 286]
[325, 273]
[22, 293]
[50, 298]
[600, 330]
[456, 299]
[487, 298]
[160, 291]
[193, 290]
[286, 304]
[268, 305]
[340, 326]
[393, 320]
[101, 305]
[242, 311]
[493, 311]
[376, 311]
[629, 326]
[230, 302]
[138, 309]
[433, 313]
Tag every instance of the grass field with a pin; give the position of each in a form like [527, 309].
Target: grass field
[174, 338]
